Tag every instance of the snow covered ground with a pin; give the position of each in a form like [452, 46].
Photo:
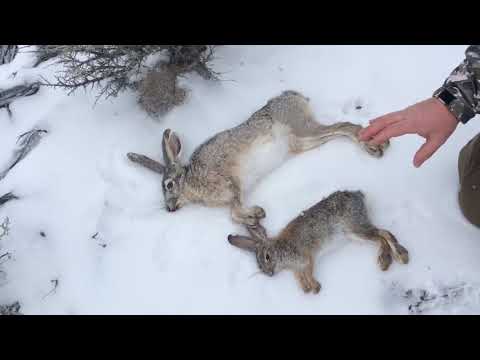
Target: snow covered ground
[77, 182]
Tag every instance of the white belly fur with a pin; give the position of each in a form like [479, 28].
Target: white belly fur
[264, 155]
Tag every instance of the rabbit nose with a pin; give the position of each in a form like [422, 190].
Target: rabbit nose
[172, 208]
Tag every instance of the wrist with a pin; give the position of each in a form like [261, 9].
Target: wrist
[450, 99]
[445, 110]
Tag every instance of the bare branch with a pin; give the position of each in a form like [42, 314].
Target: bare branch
[9, 95]
[7, 53]
[55, 285]
[26, 142]
[7, 197]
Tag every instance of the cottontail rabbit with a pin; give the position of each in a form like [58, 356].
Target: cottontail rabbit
[305, 236]
[225, 165]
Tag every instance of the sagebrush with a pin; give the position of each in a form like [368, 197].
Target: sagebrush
[115, 68]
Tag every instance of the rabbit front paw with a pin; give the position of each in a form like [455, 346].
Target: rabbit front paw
[316, 287]
[254, 215]
[401, 254]
[384, 260]
[258, 212]
[308, 283]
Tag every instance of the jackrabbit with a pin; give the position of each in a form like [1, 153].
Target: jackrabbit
[223, 167]
[306, 236]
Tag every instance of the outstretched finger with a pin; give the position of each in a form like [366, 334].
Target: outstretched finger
[397, 129]
[376, 126]
[427, 150]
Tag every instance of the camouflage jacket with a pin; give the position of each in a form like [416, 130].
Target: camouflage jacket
[461, 91]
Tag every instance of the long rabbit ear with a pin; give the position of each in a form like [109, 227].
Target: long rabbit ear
[147, 162]
[171, 145]
[243, 242]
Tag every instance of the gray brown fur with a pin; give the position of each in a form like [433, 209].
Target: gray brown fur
[159, 91]
[216, 170]
[304, 237]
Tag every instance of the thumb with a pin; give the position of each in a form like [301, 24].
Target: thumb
[427, 150]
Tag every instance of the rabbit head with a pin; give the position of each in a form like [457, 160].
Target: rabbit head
[174, 172]
[267, 257]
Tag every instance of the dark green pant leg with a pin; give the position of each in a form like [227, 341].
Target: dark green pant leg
[469, 174]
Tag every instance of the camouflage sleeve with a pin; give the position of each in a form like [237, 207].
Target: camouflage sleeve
[461, 91]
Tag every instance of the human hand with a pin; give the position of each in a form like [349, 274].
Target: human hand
[429, 118]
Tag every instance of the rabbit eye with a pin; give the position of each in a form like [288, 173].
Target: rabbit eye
[169, 184]
[267, 257]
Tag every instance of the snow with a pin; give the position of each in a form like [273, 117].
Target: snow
[144, 260]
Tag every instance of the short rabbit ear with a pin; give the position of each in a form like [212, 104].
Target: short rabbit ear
[243, 242]
[172, 146]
